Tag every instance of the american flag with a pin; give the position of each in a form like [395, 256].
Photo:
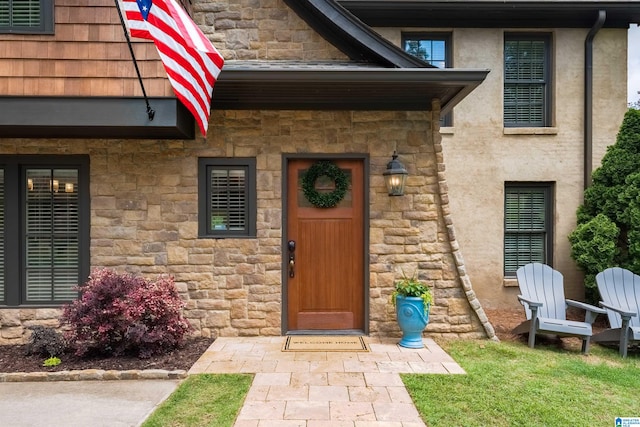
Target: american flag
[191, 61]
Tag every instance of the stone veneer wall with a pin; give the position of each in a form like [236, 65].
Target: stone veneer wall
[144, 193]
[260, 29]
[144, 219]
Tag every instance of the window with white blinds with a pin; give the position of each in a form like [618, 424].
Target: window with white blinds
[26, 16]
[44, 219]
[51, 234]
[227, 197]
[527, 236]
[228, 201]
[526, 81]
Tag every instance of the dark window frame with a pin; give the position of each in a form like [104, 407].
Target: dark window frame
[205, 165]
[447, 38]
[46, 26]
[548, 189]
[547, 81]
[15, 183]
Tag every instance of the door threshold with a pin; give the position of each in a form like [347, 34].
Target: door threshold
[326, 332]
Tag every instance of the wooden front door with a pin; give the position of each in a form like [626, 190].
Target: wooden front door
[325, 284]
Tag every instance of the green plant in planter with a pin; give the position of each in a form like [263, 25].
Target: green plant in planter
[412, 287]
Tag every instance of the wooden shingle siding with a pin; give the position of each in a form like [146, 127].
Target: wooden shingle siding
[87, 56]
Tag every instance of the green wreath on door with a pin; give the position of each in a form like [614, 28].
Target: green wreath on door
[337, 175]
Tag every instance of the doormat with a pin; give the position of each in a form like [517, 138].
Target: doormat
[324, 343]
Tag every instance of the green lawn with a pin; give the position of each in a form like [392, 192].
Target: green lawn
[203, 400]
[508, 384]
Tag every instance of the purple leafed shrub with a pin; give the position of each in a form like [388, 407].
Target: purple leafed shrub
[121, 314]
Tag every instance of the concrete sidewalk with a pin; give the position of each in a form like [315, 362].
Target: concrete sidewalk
[316, 389]
[119, 403]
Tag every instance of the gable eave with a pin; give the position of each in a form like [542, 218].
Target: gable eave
[354, 38]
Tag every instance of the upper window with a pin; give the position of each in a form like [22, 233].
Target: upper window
[433, 48]
[227, 197]
[26, 16]
[527, 85]
[44, 219]
[528, 225]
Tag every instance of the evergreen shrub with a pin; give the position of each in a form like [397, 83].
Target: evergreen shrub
[608, 229]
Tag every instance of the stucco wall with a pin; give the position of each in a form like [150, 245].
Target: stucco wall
[481, 155]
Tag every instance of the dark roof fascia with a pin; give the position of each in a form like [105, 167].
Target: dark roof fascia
[240, 87]
[393, 89]
[493, 14]
[354, 38]
[93, 117]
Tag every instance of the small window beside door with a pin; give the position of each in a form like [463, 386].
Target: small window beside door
[26, 16]
[227, 197]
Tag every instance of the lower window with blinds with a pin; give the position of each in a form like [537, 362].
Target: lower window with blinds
[44, 218]
[227, 197]
[528, 225]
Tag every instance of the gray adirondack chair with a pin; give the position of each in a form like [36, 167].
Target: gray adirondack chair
[620, 292]
[542, 295]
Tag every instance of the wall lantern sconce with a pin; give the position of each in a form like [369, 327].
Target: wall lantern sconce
[395, 176]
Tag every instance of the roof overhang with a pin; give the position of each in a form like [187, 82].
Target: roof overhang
[493, 14]
[240, 87]
[93, 117]
[318, 87]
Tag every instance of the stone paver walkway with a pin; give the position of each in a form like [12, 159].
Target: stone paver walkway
[317, 389]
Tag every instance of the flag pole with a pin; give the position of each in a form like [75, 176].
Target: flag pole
[150, 111]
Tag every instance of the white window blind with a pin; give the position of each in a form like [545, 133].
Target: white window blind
[51, 234]
[525, 227]
[525, 82]
[228, 203]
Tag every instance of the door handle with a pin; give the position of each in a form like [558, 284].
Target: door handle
[292, 257]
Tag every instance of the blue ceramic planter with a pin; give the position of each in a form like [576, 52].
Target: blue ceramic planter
[413, 319]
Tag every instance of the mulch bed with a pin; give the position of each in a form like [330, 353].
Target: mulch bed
[505, 320]
[14, 358]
